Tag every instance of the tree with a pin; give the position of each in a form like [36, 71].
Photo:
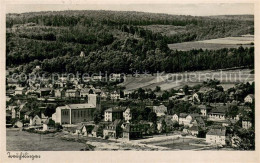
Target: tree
[51, 123]
[157, 89]
[152, 117]
[97, 116]
[146, 113]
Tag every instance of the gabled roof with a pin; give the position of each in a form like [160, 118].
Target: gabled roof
[116, 123]
[183, 115]
[115, 109]
[194, 128]
[199, 120]
[219, 110]
[251, 95]
[217, 131]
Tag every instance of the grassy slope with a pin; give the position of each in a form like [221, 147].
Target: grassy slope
[177, 80]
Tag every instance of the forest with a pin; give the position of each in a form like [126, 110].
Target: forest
[120, 42]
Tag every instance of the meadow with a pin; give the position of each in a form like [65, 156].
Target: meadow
[168, 81]
[215, 44]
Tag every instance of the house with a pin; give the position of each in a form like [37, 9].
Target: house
[14, 111]
[204, 110]
[160, 110]
[197, 97]
[186, 119]
[84, 92]
[113, 130]
[35, 121]
[175, 118]
[115, 95]
[97, 91]
[59, 93]
[98, 130]
[78, 129]
[198, 121]
[27, 115]
[44, 92]
[182, 118]
[217, 113]
[104, 95]
[82, 54]
[113, 113]
[194, 130]
[86, 129]
[246, 123]
[127, 93]
[216, 135]
[76, 113]
[72, 93]
[132, 131]
[20, 91]
[127, 115]
[249, 98]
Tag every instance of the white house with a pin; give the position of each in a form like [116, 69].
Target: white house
[127, 115]
[115, 95]
[35, 121]
[246, 124]
[175, 118]
[216, 136]
[112, 114]
[249, 98]
[187, 119]
[196, 97]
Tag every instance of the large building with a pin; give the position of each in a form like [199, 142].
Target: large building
[112, 114]
[76, 113]
[216, 136]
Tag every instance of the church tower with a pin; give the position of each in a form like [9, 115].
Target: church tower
[94, 99]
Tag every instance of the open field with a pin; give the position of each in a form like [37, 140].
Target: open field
[165, 29]
[177, 80]
[214, 44]
[24, 141]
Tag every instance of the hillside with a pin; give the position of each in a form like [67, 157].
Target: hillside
[116, 41]
[168, 81]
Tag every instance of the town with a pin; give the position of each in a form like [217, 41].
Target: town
[102, 109]
[104, 80]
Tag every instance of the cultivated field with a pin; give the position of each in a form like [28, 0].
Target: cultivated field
[177, 80]
[214, 44]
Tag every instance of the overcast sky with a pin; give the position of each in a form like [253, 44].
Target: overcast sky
[176, 9]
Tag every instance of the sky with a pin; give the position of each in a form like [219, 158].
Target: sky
[203, 9]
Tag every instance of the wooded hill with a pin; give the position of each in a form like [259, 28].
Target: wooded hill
[120, 41]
